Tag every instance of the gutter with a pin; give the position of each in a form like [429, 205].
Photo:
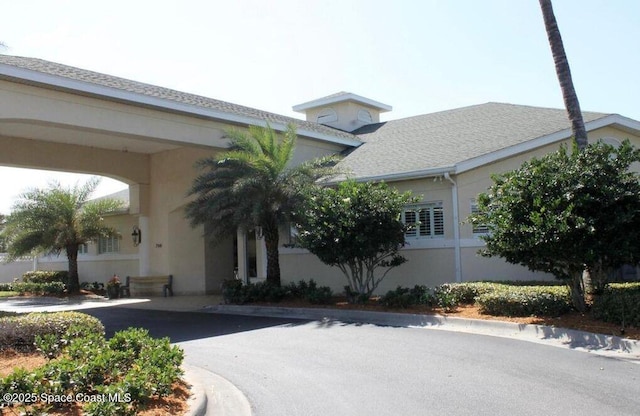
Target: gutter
[456, 227]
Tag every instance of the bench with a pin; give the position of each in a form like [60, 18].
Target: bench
[147, 282]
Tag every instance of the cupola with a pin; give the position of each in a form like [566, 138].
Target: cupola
[344, 111]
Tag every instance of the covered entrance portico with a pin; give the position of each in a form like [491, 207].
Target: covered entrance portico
[51, 123]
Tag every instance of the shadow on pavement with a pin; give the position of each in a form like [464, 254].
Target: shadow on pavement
[183, 326]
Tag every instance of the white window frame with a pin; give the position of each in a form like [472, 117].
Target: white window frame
[429, 220]
[477, 229]
[108, 245]
[83, 248]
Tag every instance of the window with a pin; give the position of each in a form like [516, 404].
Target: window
[108, 245]
[478, 228]
[424, 221]
[289, 234]
[83, 248]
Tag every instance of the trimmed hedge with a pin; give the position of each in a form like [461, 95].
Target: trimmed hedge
[19, 332]
[526, 301]
[403, 297]
[46, 276]
[46, 288]
[466, 293]
[619, 303]
[235, 292]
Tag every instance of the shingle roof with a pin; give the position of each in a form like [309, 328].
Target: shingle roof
[415, 144]
[444, 139]
[96, 78]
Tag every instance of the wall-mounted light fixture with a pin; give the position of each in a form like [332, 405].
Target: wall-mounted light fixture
[136, 236]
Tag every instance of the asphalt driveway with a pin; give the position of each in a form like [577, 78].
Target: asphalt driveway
[302, 367]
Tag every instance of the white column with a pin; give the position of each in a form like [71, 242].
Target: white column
[242, 254]
[144, 261]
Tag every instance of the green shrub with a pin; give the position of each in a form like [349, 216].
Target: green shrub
[466, 293]
[94, 286]
[310, 291]
[49, 288]
[619, 303]
[235, 292]
[20, 331]
[526, 301]
[6, 287]
[132, 367]
[46, 276]
[265, 292]
[403, 297]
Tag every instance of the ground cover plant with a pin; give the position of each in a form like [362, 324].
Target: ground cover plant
[119, 376]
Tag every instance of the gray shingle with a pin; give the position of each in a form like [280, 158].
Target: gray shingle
[443, 139]
[96, 78]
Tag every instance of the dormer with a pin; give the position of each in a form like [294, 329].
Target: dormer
[343, 111]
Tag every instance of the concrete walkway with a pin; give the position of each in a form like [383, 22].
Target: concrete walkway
[215, 395]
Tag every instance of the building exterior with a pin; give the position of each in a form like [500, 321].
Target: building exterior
[58, 117]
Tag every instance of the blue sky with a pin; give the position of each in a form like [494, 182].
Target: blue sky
[418, 56]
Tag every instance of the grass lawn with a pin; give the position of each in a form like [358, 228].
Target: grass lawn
[8, 294]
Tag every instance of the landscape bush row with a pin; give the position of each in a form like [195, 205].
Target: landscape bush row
[532, 298]
[235, 292]
[39, 282]
[620, 303]
[126, 371]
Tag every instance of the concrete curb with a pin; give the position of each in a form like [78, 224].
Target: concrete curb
[198, 399]
[601, 344]
[214, 395]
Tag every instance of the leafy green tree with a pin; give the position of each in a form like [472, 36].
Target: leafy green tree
[565, 213]
[563, 72]
[58, 219]
[356, 227]
[252, 185]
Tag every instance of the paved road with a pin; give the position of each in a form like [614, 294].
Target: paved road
[294, 367]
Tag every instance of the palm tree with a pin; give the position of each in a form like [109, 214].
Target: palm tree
[56, 219]
[251, 185]
[564, 75]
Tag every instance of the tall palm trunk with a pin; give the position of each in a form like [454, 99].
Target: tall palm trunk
[564, 75]
[272, 240]
[573, 111]
[73, 284]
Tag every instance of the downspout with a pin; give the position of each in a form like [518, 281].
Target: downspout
[456, 227]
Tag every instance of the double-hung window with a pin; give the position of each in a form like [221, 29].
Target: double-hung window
[83, 248]
[108, 245]
[424, 220]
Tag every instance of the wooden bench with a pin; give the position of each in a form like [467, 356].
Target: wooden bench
[147, 282]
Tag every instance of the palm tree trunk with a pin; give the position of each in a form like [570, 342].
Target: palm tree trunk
[571, 103]
[73, 284]
[564, 75]
[272, 240]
